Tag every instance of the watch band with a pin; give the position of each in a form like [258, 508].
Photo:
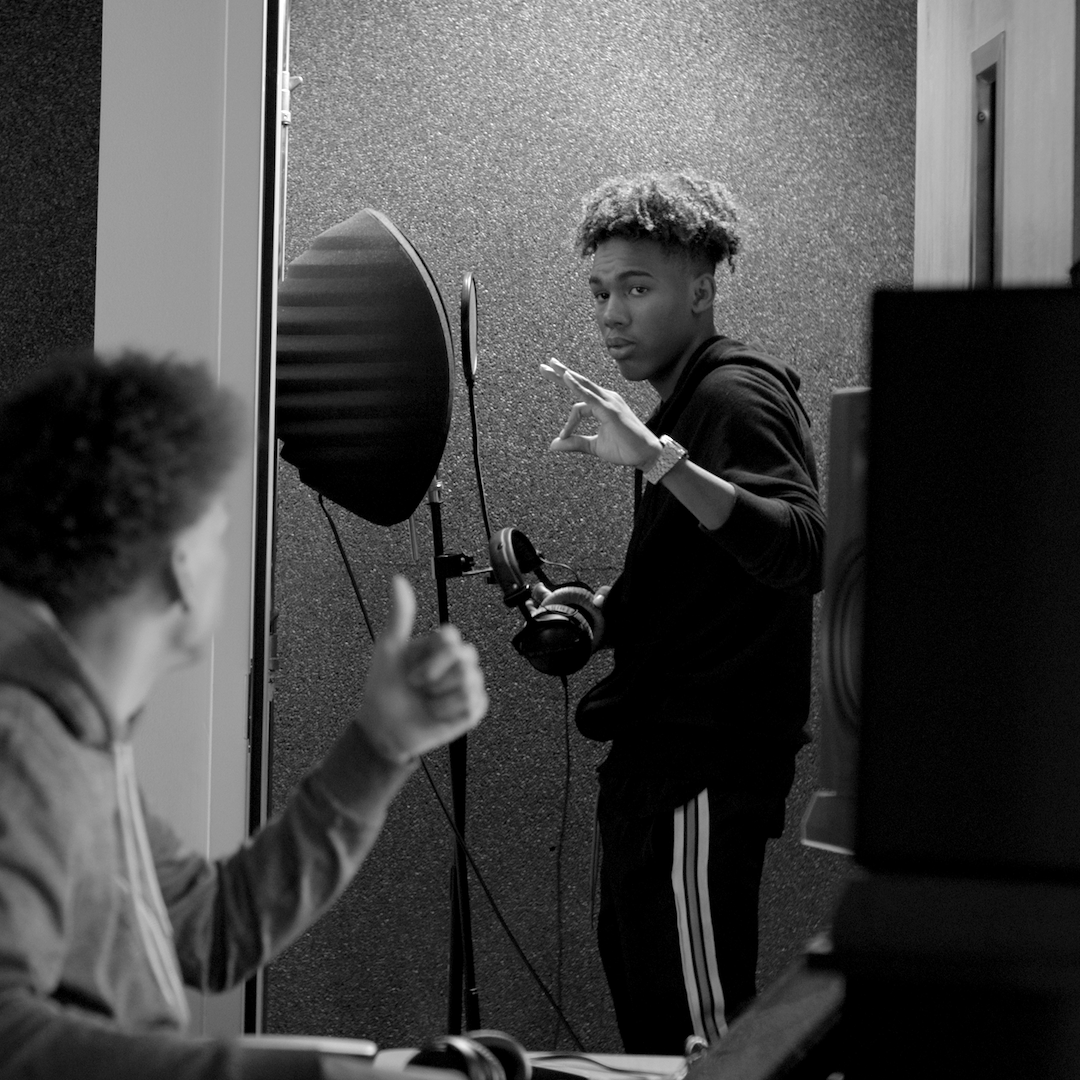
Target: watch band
[671, 453]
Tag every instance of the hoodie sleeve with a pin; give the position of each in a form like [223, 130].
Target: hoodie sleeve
[39, 1038]
[744, 426]
[48, 803]
[234, 915]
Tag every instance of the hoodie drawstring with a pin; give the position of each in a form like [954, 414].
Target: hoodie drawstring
[153, 919]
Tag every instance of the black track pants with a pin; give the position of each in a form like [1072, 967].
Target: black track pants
[678, 924]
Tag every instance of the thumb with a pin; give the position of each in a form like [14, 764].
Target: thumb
[399, 627]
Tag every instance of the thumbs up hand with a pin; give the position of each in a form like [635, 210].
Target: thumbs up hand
[420, 692]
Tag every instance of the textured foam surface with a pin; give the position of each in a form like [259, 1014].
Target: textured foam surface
[364, 369]
[476, 128]
[50, 68]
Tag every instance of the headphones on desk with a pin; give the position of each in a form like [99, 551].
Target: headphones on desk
[479, 1055]
[560, 633]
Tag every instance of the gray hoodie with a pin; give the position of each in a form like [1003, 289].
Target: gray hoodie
[104, 913]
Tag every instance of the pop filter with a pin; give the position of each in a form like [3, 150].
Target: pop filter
[364, 372]
[468, 328]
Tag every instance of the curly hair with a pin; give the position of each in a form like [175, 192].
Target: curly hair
[683, 212]
[104, 463]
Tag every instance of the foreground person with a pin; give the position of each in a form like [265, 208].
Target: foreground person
[111, 572]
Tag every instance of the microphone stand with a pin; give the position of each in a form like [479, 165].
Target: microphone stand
[462, 965]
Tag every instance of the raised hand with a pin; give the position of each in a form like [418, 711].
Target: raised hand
[421, 692]
[621, 437]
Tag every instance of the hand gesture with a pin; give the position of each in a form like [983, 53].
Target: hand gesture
[420, 692]
[621, 438]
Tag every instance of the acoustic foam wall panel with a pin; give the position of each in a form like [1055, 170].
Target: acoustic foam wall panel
[477, 128]
[51, 69]
[364, 364]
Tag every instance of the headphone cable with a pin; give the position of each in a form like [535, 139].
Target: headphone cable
[559, 845]
[348, 566]
[457, 833]
[498, 914]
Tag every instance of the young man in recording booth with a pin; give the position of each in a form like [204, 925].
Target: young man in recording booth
[111, 568]
[710, 618]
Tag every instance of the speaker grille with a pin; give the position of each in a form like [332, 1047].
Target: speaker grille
[830, 818]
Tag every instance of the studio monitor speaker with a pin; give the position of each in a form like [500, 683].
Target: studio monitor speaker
[969, 746]
[829, 822]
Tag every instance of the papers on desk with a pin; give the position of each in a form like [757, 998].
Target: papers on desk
[363, 1049]
[552, 1065]
[607, 1066]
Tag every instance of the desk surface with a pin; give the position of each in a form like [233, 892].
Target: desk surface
[589, 1066]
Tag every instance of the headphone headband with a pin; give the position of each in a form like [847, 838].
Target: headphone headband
[558, 635]
[512, 557]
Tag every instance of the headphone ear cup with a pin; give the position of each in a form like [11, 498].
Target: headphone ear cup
[581, 600]
[556, 640]
[463, 1055]
[558, 636]
[508, 1051]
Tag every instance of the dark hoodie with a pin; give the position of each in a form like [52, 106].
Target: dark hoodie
[712, 629]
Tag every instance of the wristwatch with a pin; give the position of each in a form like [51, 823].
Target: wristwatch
[671, 453]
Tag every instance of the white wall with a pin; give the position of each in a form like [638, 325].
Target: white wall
[1040, 63]
[178, 257]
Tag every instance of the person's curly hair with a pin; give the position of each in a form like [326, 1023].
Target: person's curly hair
[102, 464]
[683, 212]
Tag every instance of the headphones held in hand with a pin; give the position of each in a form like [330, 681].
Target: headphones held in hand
[562, 631]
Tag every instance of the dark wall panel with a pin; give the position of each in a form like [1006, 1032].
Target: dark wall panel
[476, 128]
[50, 69]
